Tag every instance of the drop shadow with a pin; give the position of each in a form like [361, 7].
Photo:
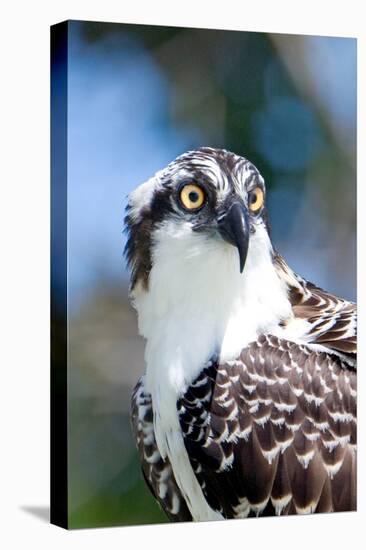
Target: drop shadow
[40, 512]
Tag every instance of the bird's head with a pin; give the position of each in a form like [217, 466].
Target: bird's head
[204, 198]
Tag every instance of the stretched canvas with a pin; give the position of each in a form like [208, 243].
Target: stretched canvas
[203, 274]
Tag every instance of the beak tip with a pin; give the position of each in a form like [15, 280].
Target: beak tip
[234, 228]
[241, 263]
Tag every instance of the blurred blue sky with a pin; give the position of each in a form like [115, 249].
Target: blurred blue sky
[332, 63]
[119, 135]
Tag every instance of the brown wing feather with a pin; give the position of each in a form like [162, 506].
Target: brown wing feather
[332, 320]
[157, 472]
[279, 431]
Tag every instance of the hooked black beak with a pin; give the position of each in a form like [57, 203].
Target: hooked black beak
[234, 228]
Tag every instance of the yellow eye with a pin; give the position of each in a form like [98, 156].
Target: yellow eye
[192, 196]
[255, 199]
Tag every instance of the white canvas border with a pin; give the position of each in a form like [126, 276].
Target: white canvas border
[25, 270]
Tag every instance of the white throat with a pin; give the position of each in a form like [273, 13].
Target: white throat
[199, 305]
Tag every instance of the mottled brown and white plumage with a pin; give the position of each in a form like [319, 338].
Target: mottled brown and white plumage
[248, 405]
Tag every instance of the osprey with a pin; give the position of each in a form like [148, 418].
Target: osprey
[248, 404]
